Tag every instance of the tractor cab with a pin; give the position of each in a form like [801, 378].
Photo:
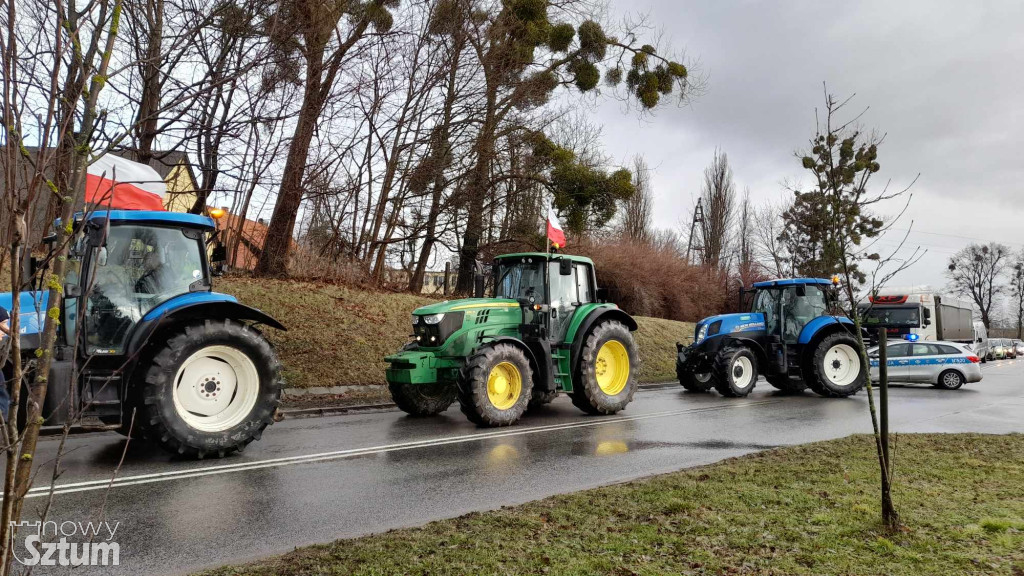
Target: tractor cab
[789, 305]
[549, 289]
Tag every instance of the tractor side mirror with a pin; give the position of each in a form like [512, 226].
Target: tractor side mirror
[478, 286]
[101, 256]
[801, 290]
[927, 317]
[33, 265]
[602, 294]
[72, 290]
[564, 267]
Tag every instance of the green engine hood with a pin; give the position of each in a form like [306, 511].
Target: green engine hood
[465, 304]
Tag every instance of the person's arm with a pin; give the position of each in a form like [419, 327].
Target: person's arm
[5, 328]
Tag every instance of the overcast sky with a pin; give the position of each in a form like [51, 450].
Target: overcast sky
[943, 80]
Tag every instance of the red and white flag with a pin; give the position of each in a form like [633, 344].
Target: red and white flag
[134, 186]
[555, 234]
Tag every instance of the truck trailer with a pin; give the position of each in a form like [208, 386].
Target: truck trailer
[928, 314]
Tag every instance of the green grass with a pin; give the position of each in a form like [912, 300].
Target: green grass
[338, 335]
[810, 509]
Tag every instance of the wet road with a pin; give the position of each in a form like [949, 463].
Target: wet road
[319, 479]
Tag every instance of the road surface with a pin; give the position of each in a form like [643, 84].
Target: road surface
[319, 479]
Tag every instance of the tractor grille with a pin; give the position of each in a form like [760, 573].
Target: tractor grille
[432, 335]
[483, 316]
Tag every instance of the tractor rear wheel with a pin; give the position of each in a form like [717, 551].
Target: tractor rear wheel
[422, 399]
[787, 384]
[605, 381]
[694, 381]
[836, 369]
[495, 385]
[210, 389]
[734, 372]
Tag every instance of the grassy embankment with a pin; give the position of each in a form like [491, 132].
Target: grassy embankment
[809, 509]
[338, 335]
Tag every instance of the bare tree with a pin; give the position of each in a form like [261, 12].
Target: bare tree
[1017, 292]
[638, 211]
[771, 252]
[718, 196]
[976, 271]
[747, 268]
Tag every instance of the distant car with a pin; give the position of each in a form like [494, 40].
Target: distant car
[996, 349]
[1018, 347]
[1011, 349]
[947, 365]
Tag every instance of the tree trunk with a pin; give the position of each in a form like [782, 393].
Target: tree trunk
[476, 192]
[273, 259]
[149, 103]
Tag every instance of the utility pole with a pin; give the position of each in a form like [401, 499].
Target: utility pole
[698, 219]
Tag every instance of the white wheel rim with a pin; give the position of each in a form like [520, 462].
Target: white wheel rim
[841, 365]
[742, 372]
[216, 388]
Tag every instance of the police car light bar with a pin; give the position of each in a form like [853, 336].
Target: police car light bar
[912, 337]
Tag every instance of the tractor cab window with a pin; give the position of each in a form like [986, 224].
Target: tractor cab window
[799, 309]
[139, 268]
[520, 279]
[767, 302]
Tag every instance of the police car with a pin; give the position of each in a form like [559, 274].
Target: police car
[942, 364]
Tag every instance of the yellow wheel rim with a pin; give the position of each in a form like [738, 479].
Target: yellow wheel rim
[612, 367]
[504, 385]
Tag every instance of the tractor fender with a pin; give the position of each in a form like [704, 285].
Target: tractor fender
[213, 306]
[597, 314]
[819, 328]
[755, 347]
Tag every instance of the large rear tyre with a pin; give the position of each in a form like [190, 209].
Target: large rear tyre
[693, 381]
[605, 382]
[422, 399]
[836, 369]
[211, 388]
[495, 385]
[787, 384]
[734, 372]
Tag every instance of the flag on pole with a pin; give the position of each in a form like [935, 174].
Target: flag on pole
[114, 182]
[555, 234]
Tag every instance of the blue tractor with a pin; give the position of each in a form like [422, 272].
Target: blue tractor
[145, 346]
[792, 334]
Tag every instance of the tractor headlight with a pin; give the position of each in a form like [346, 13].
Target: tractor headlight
[702, 333]
[433, 319]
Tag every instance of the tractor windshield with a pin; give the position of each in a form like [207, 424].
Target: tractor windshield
[520, 278]
[139, 268]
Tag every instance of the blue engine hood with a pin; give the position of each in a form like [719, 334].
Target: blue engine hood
[32, 308]
[732, 323]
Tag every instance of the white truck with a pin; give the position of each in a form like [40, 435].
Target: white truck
[922, 311]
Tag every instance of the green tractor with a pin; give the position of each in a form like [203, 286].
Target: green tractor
[545, 329]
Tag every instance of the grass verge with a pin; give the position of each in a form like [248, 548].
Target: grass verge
[803, 510]
[339, 336]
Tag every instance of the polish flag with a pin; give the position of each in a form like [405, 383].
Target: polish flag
[555, 234]
[114, 182]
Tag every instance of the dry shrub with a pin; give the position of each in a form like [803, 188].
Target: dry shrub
[306, 264]
[655, 280]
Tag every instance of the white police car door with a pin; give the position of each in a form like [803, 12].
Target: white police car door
[924, 361]
[898, 359]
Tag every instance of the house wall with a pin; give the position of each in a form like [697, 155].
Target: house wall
[181, 189]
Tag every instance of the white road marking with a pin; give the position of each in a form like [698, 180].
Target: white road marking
[93, 485]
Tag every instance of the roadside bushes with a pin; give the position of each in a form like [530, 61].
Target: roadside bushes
[654, 279]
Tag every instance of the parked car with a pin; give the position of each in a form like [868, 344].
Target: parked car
[1018, 347]
[996, 350]
[942, 364]
[1011, 350]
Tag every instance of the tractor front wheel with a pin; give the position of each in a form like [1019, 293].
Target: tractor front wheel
[734, 372]
[694, 381]
[422, 399]
[495, 385]
[836, 367]
[605, 381]
[210, 388]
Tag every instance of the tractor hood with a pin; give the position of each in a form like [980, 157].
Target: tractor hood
[32, 307]
[728, 324]
[465, 304]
